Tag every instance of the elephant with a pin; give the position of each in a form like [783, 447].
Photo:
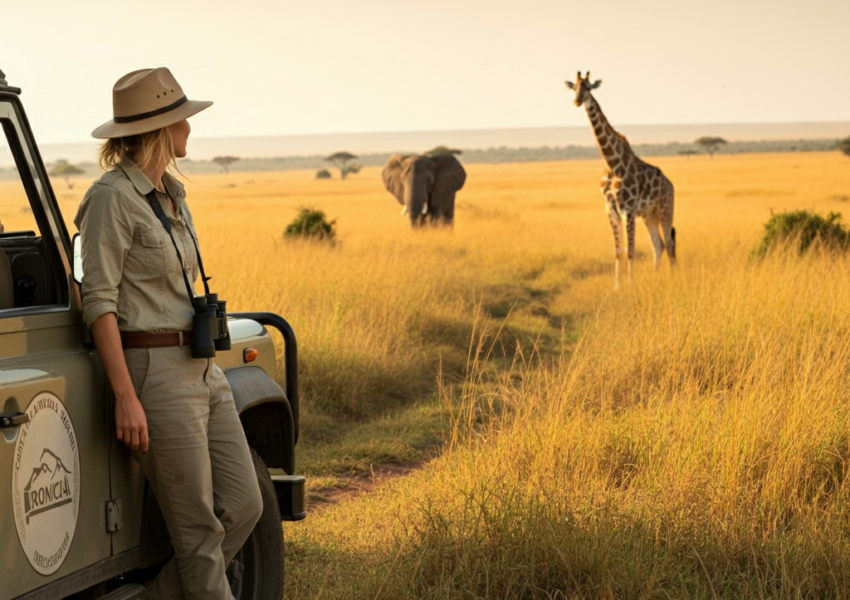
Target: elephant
[425, 186]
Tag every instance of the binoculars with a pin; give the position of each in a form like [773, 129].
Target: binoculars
[209, 326]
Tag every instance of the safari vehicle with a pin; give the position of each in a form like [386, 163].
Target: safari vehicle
[77, 518]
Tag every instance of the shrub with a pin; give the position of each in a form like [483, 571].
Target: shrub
[802, 228]
[323, 174]
[310, 224]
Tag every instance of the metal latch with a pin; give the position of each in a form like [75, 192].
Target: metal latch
[13, 420]
[114, 520]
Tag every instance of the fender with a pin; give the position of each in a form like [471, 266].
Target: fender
[266, 416]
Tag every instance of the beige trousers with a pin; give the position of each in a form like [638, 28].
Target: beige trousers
[199, 468]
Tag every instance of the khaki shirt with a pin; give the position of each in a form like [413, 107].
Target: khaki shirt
[130, 266]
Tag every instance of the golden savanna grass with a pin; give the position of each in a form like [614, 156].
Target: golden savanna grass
[687, 437]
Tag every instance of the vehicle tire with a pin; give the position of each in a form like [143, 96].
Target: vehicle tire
[256, 572]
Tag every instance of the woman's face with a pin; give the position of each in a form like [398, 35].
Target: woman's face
[179, 136]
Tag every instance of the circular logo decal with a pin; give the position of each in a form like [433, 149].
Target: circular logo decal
[46, 483]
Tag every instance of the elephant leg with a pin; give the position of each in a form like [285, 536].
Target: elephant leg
[449, 211]
[433, 217]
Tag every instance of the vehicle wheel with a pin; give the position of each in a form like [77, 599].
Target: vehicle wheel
[256, 572]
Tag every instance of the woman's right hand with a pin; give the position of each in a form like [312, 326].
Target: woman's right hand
[131, 425]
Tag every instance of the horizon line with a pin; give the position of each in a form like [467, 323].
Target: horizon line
[480, 129]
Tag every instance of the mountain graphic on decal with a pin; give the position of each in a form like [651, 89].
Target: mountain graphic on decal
[44, 467]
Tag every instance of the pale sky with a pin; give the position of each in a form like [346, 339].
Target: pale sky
[279, 67]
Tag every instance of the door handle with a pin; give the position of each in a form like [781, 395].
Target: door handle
[13, 420]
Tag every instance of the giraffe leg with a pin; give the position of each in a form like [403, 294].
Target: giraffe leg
[667, 222]
[617, 227]
[630, 232]
[670, 242]
[652, 227]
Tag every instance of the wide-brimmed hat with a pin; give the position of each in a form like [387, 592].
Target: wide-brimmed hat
[147, 100]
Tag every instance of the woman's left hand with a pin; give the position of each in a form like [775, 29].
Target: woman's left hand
[131, 425]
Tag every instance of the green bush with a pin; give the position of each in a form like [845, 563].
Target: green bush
[310, 224]
[323, 174]
[803, 228]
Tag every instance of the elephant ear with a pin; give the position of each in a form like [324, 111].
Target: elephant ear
[392, 177]
[449, 176]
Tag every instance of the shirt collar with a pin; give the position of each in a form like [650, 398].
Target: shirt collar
[144, 186]
[139, 180]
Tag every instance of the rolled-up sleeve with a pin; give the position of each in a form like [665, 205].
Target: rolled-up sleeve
[106, 236]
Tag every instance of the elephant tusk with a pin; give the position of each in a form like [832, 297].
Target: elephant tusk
[403, 211]
[425, 209]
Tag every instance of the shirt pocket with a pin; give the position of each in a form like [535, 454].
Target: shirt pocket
[158, 250]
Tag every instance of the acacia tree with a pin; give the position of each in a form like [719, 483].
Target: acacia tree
[441, 150]
[710, 144]
[225, 161]
[340, 159]
[844, 146]
[66, 170]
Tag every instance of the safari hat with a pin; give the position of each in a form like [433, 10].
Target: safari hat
[147, 100]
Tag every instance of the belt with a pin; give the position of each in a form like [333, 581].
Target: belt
[156, 340]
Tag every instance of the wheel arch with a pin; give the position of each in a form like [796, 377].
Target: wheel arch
[266, 416]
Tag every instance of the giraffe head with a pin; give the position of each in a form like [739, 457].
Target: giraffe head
[582, 87]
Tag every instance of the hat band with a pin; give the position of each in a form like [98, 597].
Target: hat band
[152, 113]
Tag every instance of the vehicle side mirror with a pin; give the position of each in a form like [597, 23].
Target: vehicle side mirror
[77, 266]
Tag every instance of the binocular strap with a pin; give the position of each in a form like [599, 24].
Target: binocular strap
[157, 209]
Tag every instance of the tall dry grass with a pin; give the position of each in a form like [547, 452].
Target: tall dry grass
[696, 444]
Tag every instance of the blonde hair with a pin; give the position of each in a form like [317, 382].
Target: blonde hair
[153, 147]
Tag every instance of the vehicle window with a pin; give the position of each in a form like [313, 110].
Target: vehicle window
[29, 263]
[15, 210]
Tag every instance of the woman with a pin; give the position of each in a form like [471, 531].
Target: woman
[175, 413]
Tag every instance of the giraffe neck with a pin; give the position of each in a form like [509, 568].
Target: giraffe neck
[614, 148]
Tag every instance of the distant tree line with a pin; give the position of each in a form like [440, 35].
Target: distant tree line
[490, 155]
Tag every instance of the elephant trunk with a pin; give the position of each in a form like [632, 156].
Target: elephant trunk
[416, 198]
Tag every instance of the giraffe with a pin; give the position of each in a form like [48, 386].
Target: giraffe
[631, 188]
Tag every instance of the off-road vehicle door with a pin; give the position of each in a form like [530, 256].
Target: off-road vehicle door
[54, 452]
